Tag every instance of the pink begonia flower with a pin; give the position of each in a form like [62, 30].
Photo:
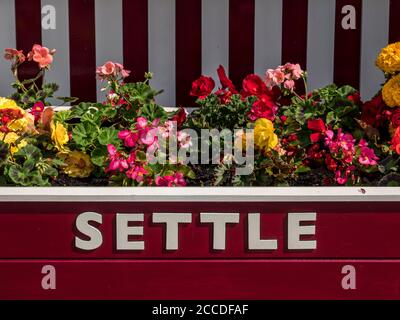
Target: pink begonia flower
[117, 163]
[367, 156]
[341, 180]
[148, 136]
[42, 55]
[136, 173]
[171, 181]
[129, 138]
[141, 123]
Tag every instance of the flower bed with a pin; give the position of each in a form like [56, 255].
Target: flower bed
[270, 131]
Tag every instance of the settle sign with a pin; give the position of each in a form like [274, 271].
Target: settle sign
[199, 250]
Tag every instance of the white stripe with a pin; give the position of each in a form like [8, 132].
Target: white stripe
[215, 36]
[59, 39]
[7, 40]
[268, 35]
[109, 36]
[162, 49]
[321, 43]
[200, 194]
[375, 34]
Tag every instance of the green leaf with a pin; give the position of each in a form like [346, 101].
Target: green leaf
[29, 164]
[330, 117]
[18, 175]
[62, 116]
[99, 156]
[68, 99]
[30, 152]
[302, 169]
[108, 136]
[84, 134]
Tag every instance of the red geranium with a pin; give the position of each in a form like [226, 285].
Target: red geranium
[355, 98]
[396, 141]
[180, 117]
[226, 83]
[202, 87]
[396, 118]
[319, 126]
[260, 109]
[373, 112]
[253, 85]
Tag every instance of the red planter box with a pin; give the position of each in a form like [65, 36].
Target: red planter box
[239, 243]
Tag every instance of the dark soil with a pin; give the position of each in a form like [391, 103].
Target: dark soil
[65, 181]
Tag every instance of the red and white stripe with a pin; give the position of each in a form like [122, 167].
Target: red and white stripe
[180, 39]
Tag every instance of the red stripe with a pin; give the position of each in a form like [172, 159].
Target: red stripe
[347, 46]
[135, 22]
[28, 32]
[241, 39]
[394, 34]
[82, 41]
[188, 48]
[294, 32]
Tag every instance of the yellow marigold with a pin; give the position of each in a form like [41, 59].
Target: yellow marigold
[59, 135]
[11, 139]
[389, 58]
[78, 164]
[24, 124]
[264, 135]
[391, 92]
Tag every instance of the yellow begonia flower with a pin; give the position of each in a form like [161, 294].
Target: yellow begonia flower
[389, 58]
[391, 92]
[264, 135]
[59, 135]
[25, 124]
[11, 139]
[78, 164]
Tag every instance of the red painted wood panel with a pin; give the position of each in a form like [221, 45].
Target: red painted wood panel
[188, 49]
[294, 32]
[394, 30]
[135, 29]
[28, 33]
[347, 61]
[200, 280]
[343, 230]
[82, 43]
[241, 39]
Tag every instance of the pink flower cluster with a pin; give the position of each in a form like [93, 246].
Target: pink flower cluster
[14, 54]
[112, 70]
[42, 55]
[284, 75]
[145, 138]
[175, 180]
[344, 154]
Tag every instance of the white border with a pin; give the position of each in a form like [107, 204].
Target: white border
[199, 194]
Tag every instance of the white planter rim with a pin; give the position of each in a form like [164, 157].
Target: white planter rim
[200, 194]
